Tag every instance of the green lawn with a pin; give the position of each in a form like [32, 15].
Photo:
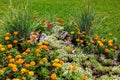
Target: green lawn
[52, 9]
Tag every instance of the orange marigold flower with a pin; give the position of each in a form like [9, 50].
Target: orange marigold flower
[9, 57]
[15, 33]
[9, 46]
[20, 61]
[18, 56]
[74, 67]
[15, 41]
[8, 79]
[78, 32]
[92, 41]
[11, 60]
[29, 41]
[41, 63]
[27, 65]
[34, 36]
[84, 77]
[44, 47]
[115, 47]
[14, 69]
[39, 44]
[46, 43]
[53, 76]
[32, 63]
[61, 62]
[81, 41]
[27, 50]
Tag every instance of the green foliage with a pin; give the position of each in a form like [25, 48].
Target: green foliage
[19, 19]
[86, 20]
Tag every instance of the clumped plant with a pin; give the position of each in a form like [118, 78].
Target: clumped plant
[86, 20]
[19, 19]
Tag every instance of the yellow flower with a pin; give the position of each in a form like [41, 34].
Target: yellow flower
[24, 78]
[37, 50]
[39, 44]
[23, 70]
[110, 41]
[7, 38]
[107, 50]
[41, 63]
[72, 32]
[8, 34]
[24, 53]
[1, 71]
[110, 34]
[18, 56]
[53, 76]
[15, 79]
[31, 73]
[56, 60]
[1, 45]
[44, 59]
[2, 49]
[77, 40]
[37, 54]
[103, 40]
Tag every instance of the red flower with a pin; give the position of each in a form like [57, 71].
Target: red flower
[60, 21]
[43, 21]
[49, 25]
[34, 17]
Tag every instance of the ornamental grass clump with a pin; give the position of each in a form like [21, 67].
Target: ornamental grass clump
[18, 20]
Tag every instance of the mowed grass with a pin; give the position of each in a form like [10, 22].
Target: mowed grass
[108, 10]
